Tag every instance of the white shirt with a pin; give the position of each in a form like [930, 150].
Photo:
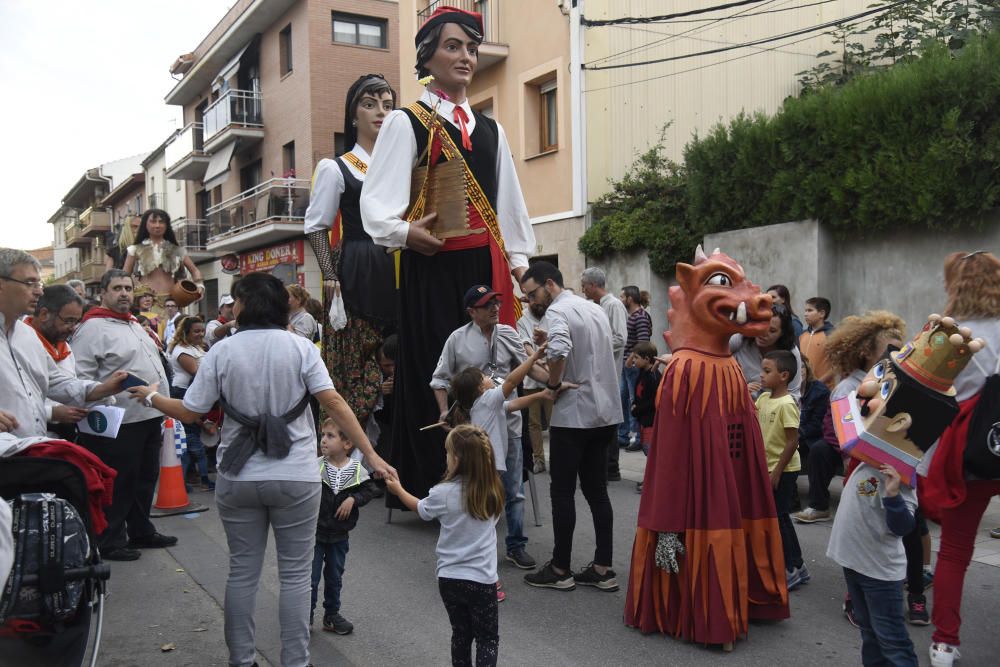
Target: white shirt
[488, 414]
[386, 195]
[526, 329]
[182, 379]
[327, 189]
[103, 345]
[68, 365]
[28, 375]
[466, 546]
[618, 317]
[579, 332]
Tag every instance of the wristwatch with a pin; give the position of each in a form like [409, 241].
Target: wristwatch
[553, 387]
[148, 401]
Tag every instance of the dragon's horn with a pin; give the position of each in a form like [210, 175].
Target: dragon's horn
[699, 254]
[716, 251]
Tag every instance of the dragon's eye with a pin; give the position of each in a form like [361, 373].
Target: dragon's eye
[720, 279]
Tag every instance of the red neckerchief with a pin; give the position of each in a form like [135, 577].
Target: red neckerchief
[58, 352]
[222, 320]
[99, 311]
[461, 118]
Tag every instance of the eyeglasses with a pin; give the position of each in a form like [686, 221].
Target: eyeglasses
[71, 322]
[30, 284]
[531, 294]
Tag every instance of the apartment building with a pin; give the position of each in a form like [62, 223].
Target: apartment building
[524, 81]
[85, 219]
[263, 102]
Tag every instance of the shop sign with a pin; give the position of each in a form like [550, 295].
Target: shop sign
[265, 259]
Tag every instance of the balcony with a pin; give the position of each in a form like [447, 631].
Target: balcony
[269, 212]
[92, 270]
[236, 114]
[95, 222]
[192, 235]
[156, 200]
[493, 49]
[185, 155]
[75, 237]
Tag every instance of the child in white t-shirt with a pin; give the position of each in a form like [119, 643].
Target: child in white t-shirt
[467, 503]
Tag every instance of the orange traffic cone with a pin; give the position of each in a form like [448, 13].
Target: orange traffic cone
[171, 496]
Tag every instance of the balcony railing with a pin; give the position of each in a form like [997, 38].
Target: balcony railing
[276, 200]
[92, 270]
[240, 108]
[95, 221]
[157, 200]
[490, 9]
[188, 143]
[192, 234]
[74, 234]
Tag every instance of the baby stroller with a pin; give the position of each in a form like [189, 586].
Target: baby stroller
[46, 613]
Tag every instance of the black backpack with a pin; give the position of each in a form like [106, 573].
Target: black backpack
[982, 446]
[49, 538]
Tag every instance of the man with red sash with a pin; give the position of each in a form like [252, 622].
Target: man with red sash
[111, 339]
[57, 313]
[434, 273]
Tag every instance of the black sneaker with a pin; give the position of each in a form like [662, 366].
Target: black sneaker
[122, 553]
[916, 608]
[548, 578]
[615, 476]
[338, 624]
[154, 541]
[521, 559]
[590, 577]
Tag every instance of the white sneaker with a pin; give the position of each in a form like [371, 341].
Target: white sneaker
[811, 515]
[944, 655]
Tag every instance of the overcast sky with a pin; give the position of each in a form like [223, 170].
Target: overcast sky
[83, 83]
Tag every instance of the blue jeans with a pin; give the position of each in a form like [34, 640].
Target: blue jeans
[626, 388]
[195, 448]
[878, 609]
[335, 556]
[513, 486]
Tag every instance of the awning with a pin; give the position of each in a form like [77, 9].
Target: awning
[218, 166]
[233, 66]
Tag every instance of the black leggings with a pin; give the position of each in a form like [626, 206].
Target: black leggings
[913, 544]
[472, 610]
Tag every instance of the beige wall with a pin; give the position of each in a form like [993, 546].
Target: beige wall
[625, 114]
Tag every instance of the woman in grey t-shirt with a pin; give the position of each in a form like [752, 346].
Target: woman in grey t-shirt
[265, 373]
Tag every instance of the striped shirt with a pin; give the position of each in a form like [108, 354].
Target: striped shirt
[640, 329]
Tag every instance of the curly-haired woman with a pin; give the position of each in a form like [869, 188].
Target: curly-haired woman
[972, 283]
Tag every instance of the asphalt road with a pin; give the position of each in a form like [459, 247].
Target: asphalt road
[174, 596]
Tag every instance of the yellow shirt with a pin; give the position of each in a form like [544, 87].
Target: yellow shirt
[775, 415]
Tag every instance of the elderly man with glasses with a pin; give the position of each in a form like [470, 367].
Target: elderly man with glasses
[28, 372]
[496, 349]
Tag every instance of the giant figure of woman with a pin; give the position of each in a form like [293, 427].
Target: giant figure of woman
[443, 133]
[349, 260]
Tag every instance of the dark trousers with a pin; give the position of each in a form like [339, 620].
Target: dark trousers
[135, 456]
[472, 610]
[614, 454]
[823, 463]
[783, 506]
[913, 543]
[195, 449]
[329, 559]
[580, 452]
[878, 609]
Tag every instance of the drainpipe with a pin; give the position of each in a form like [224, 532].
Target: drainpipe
[578, 106]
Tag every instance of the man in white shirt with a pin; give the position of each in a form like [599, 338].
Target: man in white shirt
[583, 422]
[539, 410]
[110, 338]
[224, 324]
[28, 373]
[593, 283]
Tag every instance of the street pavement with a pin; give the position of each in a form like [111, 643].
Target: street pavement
[173, 598]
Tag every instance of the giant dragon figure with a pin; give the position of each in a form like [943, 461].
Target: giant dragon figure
[707, 554]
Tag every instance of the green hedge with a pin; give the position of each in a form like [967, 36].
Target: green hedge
[916, 146]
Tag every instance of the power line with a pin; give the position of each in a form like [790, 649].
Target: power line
[695, 29]
[751, 15]
[765, 40]
[707, 65]
[665, 17]
[704, 39]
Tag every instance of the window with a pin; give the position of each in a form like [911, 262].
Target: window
[288, 160]
[250, 176]
[359, 30]
[549, 121]
[285, 49]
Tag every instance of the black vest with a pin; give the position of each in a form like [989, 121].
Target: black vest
[482, 160]
[350, 205]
